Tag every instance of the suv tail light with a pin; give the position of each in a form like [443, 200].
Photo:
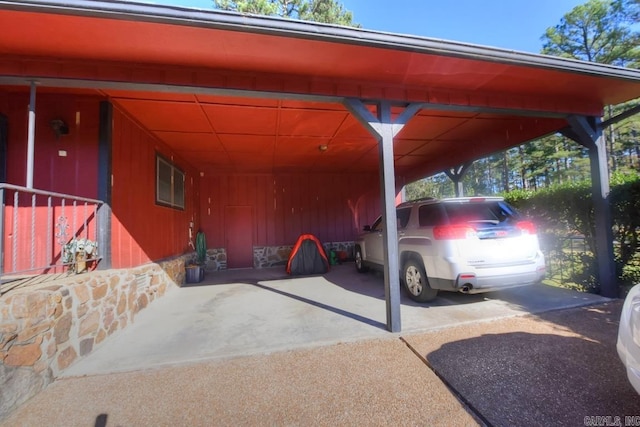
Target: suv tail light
[453, 232]
[527, 227]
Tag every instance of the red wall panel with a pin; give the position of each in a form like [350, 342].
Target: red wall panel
[142, 230]
[75, 173]
[31, 231]
[331, 206]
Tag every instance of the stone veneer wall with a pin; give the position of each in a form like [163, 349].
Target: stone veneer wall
[273, 256]
[216, 259]
[45, 328]
[269, 256]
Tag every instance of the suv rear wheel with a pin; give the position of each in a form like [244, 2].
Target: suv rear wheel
[416, 282]
[359, 263]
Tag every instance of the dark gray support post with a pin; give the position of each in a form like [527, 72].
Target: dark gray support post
[587, 132]
[390, 238]
[456, 174]
[104, 184]
[2, 235]
[384, 130]
[3, 178]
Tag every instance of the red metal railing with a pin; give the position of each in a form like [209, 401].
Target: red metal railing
[36, 225]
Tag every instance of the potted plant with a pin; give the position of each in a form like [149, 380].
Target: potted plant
[195, 268]
[194, 272]
[77, 252]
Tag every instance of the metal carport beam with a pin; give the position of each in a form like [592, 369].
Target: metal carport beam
[384, 129]
[455, 174]
[587, 131]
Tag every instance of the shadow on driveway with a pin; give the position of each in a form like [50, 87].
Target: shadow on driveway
[246, 312]
[552, 369]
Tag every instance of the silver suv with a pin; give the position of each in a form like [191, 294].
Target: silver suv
[468, 244]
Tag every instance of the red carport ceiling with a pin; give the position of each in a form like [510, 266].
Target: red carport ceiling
[142, 45]
[284, 136]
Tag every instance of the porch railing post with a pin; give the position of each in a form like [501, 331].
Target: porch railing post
[24, 251]
[104, 236]
[31, 135]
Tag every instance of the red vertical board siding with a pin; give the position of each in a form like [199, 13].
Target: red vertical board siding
[331, 206]
[141, 230]
[278, 212]
[26, 246]
[74, 174]
[34, 236]
[239, 221]
[260, 211]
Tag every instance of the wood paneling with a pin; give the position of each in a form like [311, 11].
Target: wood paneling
[72, 173]
[239, 225]
[333, 207]
[64, 164]
[143, 231]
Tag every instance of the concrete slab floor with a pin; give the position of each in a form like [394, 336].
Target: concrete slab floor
[251, 312]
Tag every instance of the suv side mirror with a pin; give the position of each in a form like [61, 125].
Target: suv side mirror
[367, 228]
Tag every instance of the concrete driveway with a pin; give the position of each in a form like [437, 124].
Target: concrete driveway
[251, 312]
[521, 357]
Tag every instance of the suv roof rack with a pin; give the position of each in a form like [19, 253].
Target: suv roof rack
[411, 202]
[471, 198]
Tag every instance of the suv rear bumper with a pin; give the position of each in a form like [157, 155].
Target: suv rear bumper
[476, 280]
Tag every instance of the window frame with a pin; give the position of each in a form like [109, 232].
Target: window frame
[176, 175]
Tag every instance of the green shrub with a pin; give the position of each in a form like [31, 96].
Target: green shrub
[566, 210]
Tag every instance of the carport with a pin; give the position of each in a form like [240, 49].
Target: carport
[247, 95]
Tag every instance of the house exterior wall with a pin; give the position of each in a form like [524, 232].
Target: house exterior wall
[71, 173]
[333, 207]
[143, 231]
[62, 164]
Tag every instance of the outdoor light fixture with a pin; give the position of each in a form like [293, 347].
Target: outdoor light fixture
[59, 127]
[323, 148]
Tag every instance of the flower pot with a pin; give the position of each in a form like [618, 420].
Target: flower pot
[194, 274]
[81, 262]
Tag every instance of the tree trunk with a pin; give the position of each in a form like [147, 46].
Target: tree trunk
[523, 169]
[505, 172]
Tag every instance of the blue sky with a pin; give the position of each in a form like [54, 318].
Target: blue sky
[509, 24]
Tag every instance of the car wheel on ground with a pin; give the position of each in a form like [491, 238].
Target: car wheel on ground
[416, 282]
[359, 262]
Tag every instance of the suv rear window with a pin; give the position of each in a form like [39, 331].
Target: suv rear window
[430, 215]
[493, 211]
